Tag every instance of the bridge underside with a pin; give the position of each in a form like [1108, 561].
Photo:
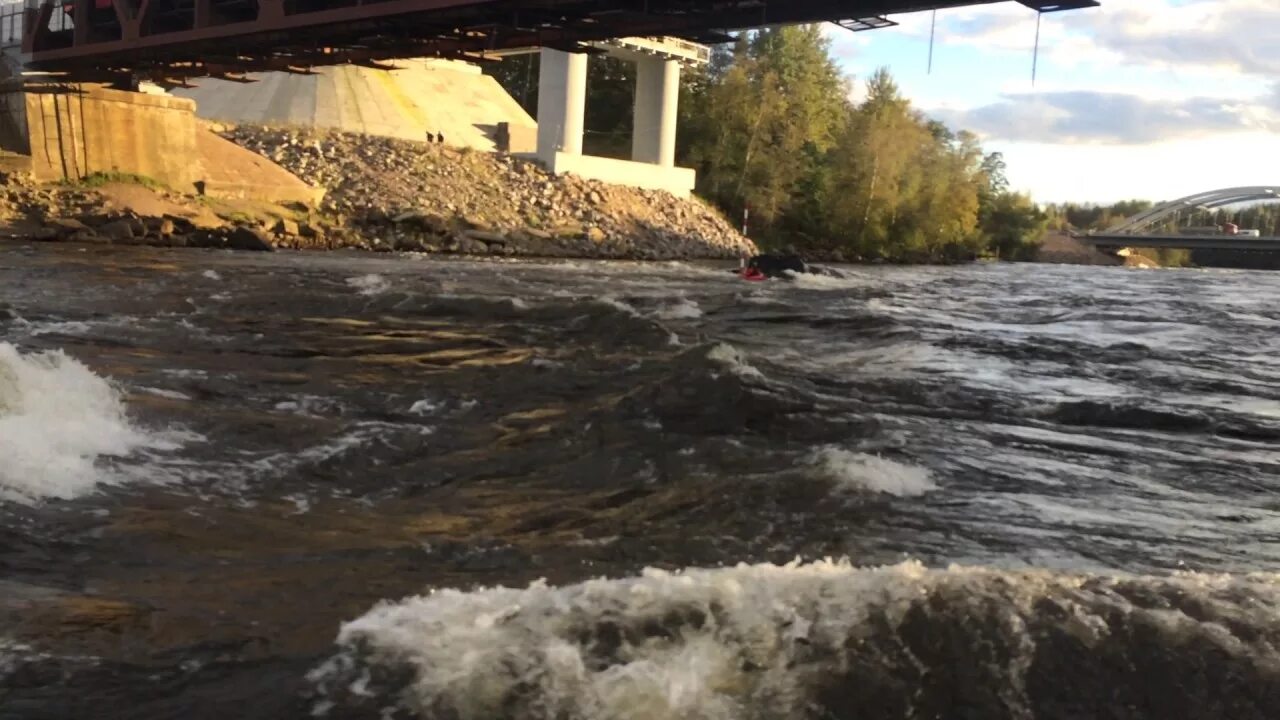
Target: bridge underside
[169, 40]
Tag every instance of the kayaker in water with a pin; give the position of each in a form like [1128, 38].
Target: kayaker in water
[780, 265]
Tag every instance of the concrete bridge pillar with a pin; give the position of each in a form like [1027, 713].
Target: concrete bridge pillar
[562, 103]
[653, 138]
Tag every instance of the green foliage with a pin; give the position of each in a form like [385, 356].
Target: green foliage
[770, 111]
[1014, 226]
[774, 130]
[1073, 216]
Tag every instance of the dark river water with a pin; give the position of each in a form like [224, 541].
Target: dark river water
[302, 485]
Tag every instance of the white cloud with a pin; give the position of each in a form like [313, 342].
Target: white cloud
[1232, 35]
[1084, 116]
[1164, 171]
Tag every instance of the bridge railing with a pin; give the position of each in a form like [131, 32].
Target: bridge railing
[13, 14]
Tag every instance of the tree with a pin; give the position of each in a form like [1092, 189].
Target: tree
[772, 109]
[1014, 226]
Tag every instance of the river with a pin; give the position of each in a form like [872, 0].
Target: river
[294, 485]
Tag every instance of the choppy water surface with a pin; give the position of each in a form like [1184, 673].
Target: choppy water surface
[291, 486]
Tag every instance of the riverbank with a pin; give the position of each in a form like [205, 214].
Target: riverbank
[383, 195]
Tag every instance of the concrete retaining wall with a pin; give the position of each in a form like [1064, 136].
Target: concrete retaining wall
[72, 132]
[98, 130]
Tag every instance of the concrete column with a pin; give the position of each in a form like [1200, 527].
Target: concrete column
[653, 136]
[562, 102]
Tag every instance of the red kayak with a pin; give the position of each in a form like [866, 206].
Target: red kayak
[752, 274]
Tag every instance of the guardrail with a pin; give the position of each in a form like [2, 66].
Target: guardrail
[13, 15]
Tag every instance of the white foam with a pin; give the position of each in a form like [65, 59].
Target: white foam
[860, 472]
[756, 641]
[59, 424]
[161, 392]
[618, 305]
[310, 406]
[680, 309]
[371, 284]
[68, 327]
[211, 274]
[10, 655]
[812, 281]
[731, 358]
[424, 407]
[751, 641]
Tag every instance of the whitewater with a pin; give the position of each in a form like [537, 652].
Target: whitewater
[325, 485]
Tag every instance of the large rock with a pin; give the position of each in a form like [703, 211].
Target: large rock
[118, 231]
[247, 238]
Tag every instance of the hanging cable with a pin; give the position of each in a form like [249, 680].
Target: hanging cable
[933, 26]
[1035, 54]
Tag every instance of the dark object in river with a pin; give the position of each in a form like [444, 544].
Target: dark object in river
[770, 265]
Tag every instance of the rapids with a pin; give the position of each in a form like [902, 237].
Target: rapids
[298, 485]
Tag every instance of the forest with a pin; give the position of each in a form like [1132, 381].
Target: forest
[770, 127]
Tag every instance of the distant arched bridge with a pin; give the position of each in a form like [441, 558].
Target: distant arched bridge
[1135, 231]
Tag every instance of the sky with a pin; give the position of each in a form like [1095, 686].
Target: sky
[1150, 99]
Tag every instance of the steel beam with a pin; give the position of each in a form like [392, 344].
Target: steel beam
[391, 29]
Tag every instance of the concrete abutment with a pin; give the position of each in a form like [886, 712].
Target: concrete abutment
[59, 131]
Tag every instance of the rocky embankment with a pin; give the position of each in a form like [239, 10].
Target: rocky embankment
[95, 215]
[383, 195]
[402, 195]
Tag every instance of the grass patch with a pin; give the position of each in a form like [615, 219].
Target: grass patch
[102, 179]
[237, 216]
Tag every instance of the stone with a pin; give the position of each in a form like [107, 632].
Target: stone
[307, 230]
[65, 226]
[408, 244]
[246, 238]
[180, 224]
[468, 246]
[206, 239]
[285, 226]
[95, 219]
[88, 236]
[568, 230]
[118, 231]
[487, 236]
[595, 235]
[45, 234]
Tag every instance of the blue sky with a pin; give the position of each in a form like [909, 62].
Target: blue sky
[1151, 99]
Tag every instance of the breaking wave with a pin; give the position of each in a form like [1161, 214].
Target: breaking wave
[819, 640]
[59, 424]
[854, 471]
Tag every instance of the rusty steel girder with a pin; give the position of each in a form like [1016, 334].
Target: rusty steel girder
[170, 40]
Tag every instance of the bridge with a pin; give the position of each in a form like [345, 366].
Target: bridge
[168, 40]
[1158, 227]
[73, 103]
